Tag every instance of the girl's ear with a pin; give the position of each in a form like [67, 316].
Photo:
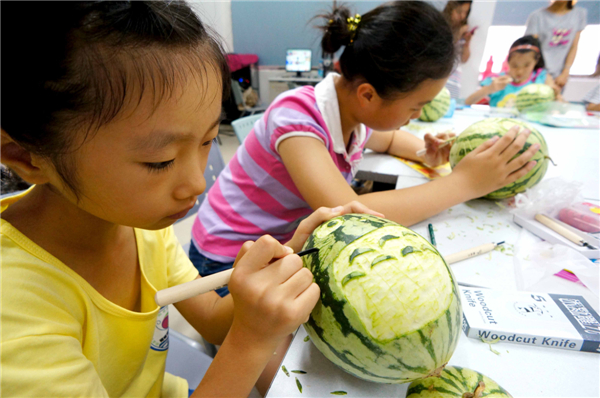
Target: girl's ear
[29, 167]
[366, 94]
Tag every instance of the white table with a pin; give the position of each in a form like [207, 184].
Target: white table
[523, 371]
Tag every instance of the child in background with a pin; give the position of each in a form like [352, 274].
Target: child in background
[457, 14]
[110, 109]
[525, 66]
[305, 150]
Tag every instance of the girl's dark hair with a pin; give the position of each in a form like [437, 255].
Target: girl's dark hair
[396, 47]
[449, 8]
[531, 40]
[77, 65]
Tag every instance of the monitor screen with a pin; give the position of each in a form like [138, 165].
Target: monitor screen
[298, 60]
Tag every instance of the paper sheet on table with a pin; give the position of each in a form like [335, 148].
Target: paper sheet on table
[535, 260]
[430, 172]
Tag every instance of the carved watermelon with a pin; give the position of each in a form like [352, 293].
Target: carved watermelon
[389, 310]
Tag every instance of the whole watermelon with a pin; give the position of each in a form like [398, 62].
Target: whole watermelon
[389, 310]
[534, 94]
[456, 382]
[437, 107]
[479, 132]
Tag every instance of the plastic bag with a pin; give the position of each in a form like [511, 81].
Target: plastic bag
[535, 260]
[548, 197]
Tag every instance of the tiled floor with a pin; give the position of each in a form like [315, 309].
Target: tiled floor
[229, 145]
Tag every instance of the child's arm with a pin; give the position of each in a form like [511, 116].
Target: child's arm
[593, 107]
[272, 298]
[482, 171]
[479, 94]
[550, 82]
[561, 80]
[405, 145]
[212, 315]
[498, 83]
[273, 295]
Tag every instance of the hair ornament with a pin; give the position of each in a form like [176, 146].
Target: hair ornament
[525, 47]
[353, 26]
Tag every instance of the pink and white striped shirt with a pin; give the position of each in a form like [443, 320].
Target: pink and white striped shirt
[254, 195]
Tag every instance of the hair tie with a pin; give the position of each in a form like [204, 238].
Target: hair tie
[525, 47]
[353, 26]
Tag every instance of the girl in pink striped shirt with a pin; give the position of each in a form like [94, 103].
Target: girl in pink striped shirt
[304, 151]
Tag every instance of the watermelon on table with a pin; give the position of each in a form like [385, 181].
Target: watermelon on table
[479, 132]
[454, 382]
[389, 309]
[534, 94]
[437, 108]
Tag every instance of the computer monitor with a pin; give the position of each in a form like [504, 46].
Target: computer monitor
[298, 60]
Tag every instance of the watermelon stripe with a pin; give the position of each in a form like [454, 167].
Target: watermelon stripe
[447, 380]
[461, 380]
[427, 343]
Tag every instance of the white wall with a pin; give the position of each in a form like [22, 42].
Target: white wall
[217, 15]
[482, 15]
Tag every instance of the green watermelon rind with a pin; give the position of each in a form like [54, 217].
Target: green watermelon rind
[482, 131]
[430, 347]
[437, 108]
[534, 94]
[454, 381]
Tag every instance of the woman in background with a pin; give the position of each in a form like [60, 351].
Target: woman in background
[457, 13]
[558, 28]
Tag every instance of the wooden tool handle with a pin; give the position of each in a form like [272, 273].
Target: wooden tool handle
[559, 229]
[193, 288]
[475, 251]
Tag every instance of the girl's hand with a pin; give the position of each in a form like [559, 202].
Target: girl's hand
[557, 91]
[499, 83]
[466, 33]
[561, 80]
[319, 216]
[435, 155]
[491, 165]
[272, 292]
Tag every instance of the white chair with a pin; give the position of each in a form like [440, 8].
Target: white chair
[187, 358]
[239, 100]
[243, 126]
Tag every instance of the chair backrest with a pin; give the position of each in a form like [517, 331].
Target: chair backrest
[214, 166]
[243, 126]
[237, 93]
[187, 358]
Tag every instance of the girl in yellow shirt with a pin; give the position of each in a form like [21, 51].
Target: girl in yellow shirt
[110, 109]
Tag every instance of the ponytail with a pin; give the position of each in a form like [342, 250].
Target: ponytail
[394, 47]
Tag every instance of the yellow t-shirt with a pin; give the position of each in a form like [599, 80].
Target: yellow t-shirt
[60, 337]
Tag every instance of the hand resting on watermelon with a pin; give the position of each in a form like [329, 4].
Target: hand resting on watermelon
[319, 216]
[493, 165]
